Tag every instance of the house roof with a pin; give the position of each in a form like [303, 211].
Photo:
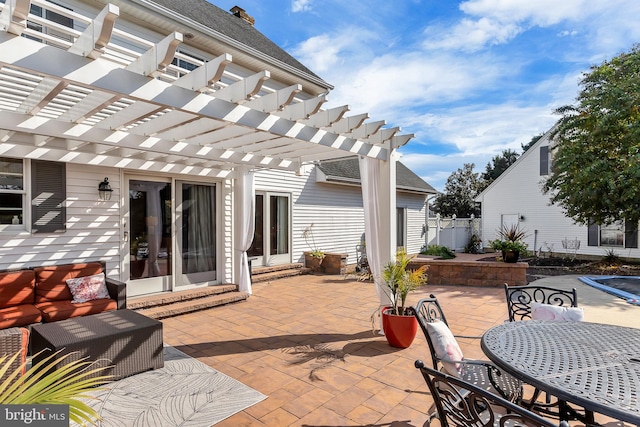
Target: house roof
[106, 91]
[234, 27]
[347, 171]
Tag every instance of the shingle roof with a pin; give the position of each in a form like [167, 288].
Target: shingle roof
[232, 26]
[347, 170]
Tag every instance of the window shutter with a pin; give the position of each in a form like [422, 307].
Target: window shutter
[48, 192]
[630, 236]
[592, 236]
[544, 160]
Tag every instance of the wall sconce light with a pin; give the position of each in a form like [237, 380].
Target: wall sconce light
[104, 190]
[521, 217]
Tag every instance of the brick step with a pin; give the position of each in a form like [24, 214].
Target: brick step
[256, 271]
[279, 274]
[191, 305]
[179, 296]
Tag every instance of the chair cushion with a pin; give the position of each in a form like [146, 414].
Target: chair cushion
[540, 311]
[88, 288]
[445, 346]
[17, 288]
[51, 281]
[52, 311]
[19, 315]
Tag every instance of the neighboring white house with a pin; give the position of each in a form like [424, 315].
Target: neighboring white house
[516, 197]
[177, 106]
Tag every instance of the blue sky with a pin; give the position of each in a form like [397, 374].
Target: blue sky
[468, 78]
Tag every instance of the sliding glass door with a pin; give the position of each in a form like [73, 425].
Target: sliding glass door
[272, 239]
[196, 233]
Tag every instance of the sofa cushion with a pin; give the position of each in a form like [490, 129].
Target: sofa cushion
[17, 288]
[19, 315]
[52, 311]
[51, 281]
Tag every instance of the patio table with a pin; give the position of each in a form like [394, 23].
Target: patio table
[591, 365]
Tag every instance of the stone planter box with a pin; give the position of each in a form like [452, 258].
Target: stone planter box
[473, 273]
[332, 263]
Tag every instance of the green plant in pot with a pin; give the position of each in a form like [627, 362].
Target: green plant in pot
[312, 258]
[510, 242]
[398, 321]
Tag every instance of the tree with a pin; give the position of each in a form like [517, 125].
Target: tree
[497, 166]
[596, 159]
[461, 188]
[534, 139]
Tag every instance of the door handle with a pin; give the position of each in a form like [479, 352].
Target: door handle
[126, 236]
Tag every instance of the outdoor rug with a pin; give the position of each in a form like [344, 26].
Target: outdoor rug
[185, 392]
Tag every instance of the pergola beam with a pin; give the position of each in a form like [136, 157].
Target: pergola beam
[153, 62]
[96, 36]
[243, 90]
[275, 101]
[204, 76]
[13, 18]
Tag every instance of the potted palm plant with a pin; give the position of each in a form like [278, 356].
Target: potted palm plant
[398, 321]
[510, 242]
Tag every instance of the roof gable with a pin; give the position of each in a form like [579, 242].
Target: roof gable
[348, 171]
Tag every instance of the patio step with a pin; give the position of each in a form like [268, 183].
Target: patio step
[273, 272]
[170, 304]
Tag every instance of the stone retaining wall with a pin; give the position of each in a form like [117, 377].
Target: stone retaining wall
[474, 273]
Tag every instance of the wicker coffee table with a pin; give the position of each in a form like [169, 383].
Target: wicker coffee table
[130, 342]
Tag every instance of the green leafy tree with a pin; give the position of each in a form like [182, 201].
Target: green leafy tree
[528, 145]
[497, 166]
[461, 188]
[596, 161]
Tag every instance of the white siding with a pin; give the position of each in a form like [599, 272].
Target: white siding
[335, 211]
[93, 227]
[518, 191]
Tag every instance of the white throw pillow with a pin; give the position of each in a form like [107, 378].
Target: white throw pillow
[88, 288]
[540, 311]
[445, 346]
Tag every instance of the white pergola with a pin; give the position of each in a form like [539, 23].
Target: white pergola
[97, 94]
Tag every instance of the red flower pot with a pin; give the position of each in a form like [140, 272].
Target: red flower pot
[399, 330]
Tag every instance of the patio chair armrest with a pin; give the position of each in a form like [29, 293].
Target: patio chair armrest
[117, 291]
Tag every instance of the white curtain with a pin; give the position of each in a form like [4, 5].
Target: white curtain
[370, 178]
[246, 196]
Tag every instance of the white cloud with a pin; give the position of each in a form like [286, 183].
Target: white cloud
[470, 35]
[300, 5]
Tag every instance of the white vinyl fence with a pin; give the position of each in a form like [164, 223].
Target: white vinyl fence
[454, 233]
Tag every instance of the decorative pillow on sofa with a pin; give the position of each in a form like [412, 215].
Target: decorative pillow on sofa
[541, 311]
[445, 346]
[88, 288]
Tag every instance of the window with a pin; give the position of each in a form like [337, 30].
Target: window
[48, 197]
[50, 16]
[401, 228]
[545, 161]
[617, 234]
[12, 191]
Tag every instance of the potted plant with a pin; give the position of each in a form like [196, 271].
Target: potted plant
[510, 242]
[398, 321]
[313, 258]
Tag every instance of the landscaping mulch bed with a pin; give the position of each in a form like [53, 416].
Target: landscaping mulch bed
[557, 266]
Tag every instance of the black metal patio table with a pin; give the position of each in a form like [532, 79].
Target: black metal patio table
[591, 365]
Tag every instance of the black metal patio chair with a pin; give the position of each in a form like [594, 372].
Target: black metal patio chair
[520, 299]
[461, 404]
[481, 373]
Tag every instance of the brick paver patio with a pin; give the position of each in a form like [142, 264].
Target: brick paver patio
[307, 343]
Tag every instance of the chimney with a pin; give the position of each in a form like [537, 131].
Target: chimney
[240, 13]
